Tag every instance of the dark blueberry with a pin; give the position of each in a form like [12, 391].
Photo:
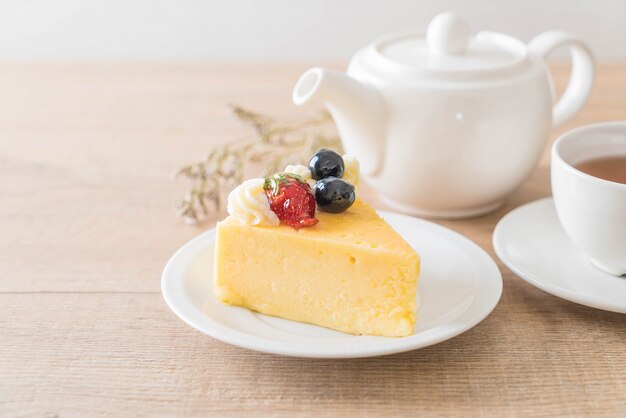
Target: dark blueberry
[326, 163]
[334, 195]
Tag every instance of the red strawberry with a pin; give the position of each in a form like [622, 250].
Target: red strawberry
[291, 199]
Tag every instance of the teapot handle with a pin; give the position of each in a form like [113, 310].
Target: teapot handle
[581, 78]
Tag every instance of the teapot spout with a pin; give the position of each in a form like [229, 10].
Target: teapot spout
[357, 109]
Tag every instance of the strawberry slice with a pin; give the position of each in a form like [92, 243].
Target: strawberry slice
[291, 199]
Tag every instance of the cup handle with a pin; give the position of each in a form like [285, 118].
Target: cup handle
[582, 74]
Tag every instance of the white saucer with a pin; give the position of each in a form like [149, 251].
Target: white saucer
[531, 242]
[459, 286]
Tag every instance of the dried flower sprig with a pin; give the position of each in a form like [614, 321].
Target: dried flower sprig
[272, 146]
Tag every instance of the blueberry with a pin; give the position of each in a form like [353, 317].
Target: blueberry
[334, 195]
[326, 163]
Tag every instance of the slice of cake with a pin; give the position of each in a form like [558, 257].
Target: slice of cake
[348, 271]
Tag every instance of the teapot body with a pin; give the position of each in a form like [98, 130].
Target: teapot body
[447, 124]
[457, 150]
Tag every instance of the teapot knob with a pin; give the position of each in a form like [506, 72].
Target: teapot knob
[448, 34]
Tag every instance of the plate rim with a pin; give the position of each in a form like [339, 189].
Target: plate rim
[557, 291]
[387, 347]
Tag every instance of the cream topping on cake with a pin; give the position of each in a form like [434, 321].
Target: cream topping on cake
[352, 169]
[299, 169]
[302, 171]
[249, 205]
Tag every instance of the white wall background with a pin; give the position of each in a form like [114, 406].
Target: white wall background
[275, 29]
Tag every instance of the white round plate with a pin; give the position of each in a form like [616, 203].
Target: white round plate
[459, 286]
[532, 243]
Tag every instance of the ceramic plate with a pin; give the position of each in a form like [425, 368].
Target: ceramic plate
[531, 242]
[459, 286]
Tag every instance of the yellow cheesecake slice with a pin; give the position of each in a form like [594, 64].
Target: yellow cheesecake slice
[351, 272]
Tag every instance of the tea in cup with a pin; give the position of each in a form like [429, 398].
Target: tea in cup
[589, 189]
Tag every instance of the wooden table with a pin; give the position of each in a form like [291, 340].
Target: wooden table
[87, 223]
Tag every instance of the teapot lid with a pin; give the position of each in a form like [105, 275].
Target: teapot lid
[449, 47]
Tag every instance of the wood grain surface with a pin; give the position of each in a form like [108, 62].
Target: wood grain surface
[87, 151]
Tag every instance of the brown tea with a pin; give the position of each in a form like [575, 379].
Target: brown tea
[607, 168]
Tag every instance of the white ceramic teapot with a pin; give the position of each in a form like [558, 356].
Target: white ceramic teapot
[447, 124]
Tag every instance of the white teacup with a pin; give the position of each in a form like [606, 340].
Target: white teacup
[592, 210]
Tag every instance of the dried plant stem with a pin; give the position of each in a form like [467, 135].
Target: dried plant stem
[272, 146]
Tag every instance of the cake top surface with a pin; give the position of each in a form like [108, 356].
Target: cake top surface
[359, 225]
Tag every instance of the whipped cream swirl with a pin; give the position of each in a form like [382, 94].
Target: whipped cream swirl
[299, 169]
[302, 171]
[249, 205]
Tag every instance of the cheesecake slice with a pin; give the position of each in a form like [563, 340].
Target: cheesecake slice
[350, 272]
